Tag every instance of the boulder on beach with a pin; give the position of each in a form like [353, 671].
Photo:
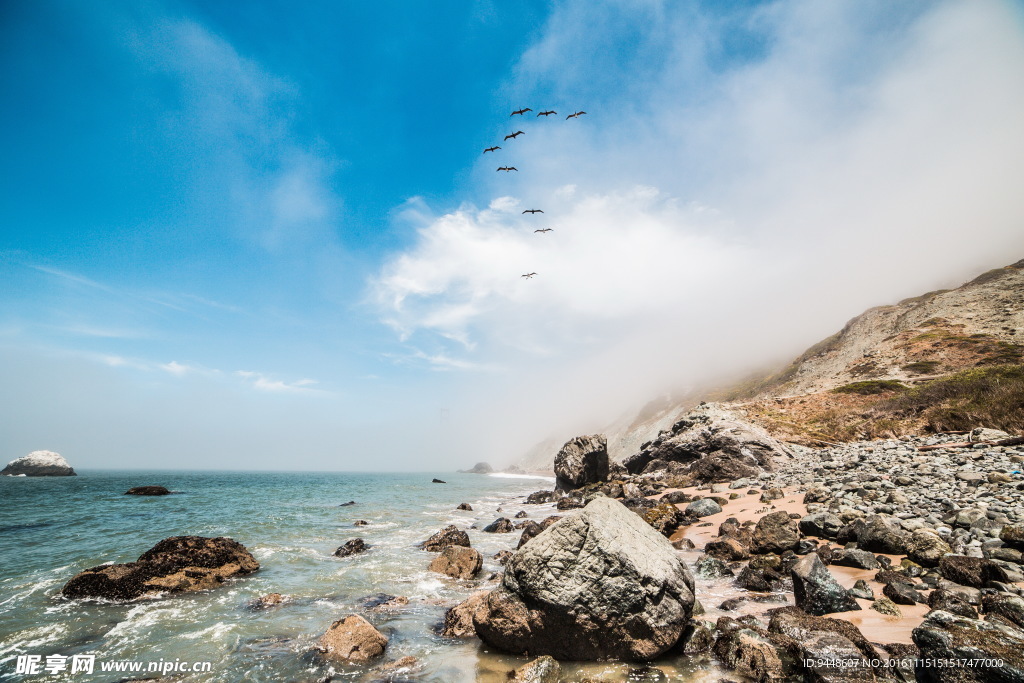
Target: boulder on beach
[147, 491]
[581, 461]
[448, 536]
[39, 464]
[714, 445]
[174, 565]
[817, 592]
[947, 637]
[598, 584]
[970, 571]
[458, 620]
[353, 639]
[775, 533]
[457, 562]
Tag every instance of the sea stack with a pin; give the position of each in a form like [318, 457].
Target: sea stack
[39, 464]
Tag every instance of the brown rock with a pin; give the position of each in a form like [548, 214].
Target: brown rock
[458, 621]
[448, 536]
[775, 533]
[457, 562]
[174, 565]
[354, 639]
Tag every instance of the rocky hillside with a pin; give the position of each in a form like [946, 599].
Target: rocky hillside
[977, 325]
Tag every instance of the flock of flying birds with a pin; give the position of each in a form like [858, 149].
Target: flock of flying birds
[513, 136]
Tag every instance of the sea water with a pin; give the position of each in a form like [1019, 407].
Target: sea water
[54, 527]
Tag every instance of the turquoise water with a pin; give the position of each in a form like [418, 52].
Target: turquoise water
[52, 528]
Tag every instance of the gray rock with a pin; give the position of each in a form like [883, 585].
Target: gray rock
[598, 584]
[703, 507]
[862, 590]
[926, 548]
[581, 461]
[709, 567]
[861, 559]
[883, 534]
[821, 524]
[817, 592]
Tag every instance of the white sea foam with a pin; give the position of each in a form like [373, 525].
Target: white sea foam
[509, 475]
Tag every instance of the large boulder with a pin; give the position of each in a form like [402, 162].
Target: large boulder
[353, 639]
[448, 536]
[926, 547]
[598, 584]
[883, 534]
[776, 532]
[715, 445]
[457, 562]
[174, 565]
[582, 461]
[947, 637]
[817, 592]
[970, 571]
[39, 464]
[458, 620]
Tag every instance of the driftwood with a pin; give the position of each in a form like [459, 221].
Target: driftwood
[1013, 441]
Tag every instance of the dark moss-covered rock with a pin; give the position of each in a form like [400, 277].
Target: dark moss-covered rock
[147, 491]
[448, 536]
[174, 565]
[948, 601]
[948, 637]
[971, 571]
[353, 546]
[665, 518]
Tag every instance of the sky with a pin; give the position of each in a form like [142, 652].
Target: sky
[268, 237]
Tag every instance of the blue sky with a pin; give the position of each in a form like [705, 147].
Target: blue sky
[268, 237]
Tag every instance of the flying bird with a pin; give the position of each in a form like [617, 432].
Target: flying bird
[491, 149]
[514, 135]
[529, 275]
[572, 116]
[520, 111]
[533, 211]
[547, 113]
[507, 168]
[544, 230]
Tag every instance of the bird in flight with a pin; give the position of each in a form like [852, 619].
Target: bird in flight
[520, 111]
[507, 168]
[529, 275]
[514, 135]
[544, 230]
[547, 113]
[572, 116]
[533, 211]
[491, 149]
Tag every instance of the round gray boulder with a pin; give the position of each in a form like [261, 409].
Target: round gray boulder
[598, 584]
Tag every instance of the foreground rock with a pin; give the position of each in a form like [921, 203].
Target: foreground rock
[147, 491]
[174, 565]
[945, 636]
[457, 562]
[354, 639]
[448, 536]
[541, 670]
[817, 592]
[582, 461]
[458, 621]
[39, 464]
[598, 584]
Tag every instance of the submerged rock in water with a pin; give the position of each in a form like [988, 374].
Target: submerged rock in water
[448, 536]
[147, 491]
[582, 461]
[599, 584]
[438, 481]
[457, 562]
[39, 464]
[541, 670]
[353, 546]
[174, 565]
[354, 639]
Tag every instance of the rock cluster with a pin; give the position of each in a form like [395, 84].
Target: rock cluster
[174, 565]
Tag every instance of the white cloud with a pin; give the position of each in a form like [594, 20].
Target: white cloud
[865, 154]
[261, 382]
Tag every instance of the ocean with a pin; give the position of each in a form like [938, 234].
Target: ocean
[52, 528]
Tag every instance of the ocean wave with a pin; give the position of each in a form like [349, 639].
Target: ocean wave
[509, 475]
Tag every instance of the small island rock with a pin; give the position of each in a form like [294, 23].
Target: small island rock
[39, 464]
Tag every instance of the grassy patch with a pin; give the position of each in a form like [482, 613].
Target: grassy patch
[870, 387]
[981, 397]
[922, 367]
